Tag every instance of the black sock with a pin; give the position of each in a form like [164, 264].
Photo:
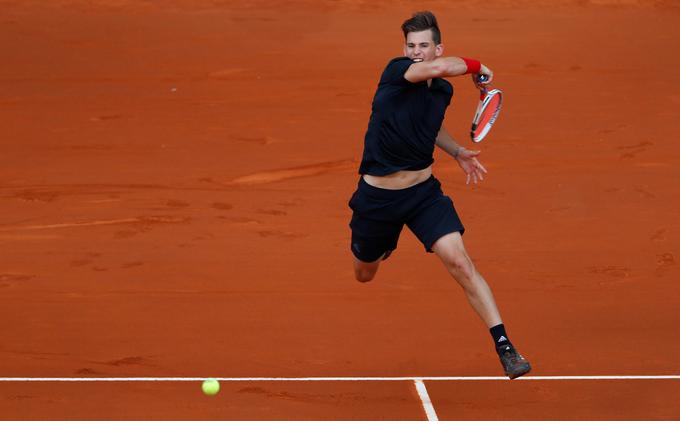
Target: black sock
[500, 338]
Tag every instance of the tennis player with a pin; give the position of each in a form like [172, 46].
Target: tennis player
[396, 185]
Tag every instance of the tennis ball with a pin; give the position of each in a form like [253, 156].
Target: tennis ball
[210, 387]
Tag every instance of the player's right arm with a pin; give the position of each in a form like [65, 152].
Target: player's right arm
[466, 158]
[441, 67]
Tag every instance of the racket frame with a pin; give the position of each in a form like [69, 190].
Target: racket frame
[485, 98]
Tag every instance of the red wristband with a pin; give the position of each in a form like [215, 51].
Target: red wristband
[473, 66]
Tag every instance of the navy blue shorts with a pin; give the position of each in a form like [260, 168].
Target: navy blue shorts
[380, 214]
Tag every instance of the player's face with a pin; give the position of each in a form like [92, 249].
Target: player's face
[420, 46]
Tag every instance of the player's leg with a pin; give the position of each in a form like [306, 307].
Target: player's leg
[451, 251]
[439, 228]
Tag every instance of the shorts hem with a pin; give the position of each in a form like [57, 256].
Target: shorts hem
[428, 247]
[383, 256]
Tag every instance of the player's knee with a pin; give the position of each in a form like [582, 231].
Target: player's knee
[364, 275]
[365, 271]
[459, 264]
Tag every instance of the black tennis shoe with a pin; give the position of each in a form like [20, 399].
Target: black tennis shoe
[513, 362]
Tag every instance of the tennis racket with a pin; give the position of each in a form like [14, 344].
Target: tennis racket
[489, 106]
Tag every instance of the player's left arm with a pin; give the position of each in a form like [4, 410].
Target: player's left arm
[467, 159]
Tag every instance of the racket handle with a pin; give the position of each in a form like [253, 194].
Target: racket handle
[482, 78]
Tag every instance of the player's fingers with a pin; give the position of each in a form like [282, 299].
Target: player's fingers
[468, 179]
[481, 167]
[477, 165]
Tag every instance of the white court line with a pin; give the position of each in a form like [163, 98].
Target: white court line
[420, 386]
[328, 379]
[419, 381]
[425, 399]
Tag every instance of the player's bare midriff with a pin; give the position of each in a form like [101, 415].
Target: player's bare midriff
[398, 180]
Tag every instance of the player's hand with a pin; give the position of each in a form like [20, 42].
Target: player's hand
[474, 170]
[488, 77]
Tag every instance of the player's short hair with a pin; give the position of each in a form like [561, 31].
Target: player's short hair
[422, 21]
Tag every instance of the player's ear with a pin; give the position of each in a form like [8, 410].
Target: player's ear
[405, 49]
[439, 50]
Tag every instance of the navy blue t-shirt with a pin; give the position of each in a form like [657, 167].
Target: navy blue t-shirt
[405, 120]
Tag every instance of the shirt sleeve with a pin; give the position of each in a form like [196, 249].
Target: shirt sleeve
[447, 88]
[395, 70]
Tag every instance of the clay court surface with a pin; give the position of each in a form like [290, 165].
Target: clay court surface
[174, 182]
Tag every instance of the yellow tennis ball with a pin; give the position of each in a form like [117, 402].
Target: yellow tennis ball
[210, 387]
